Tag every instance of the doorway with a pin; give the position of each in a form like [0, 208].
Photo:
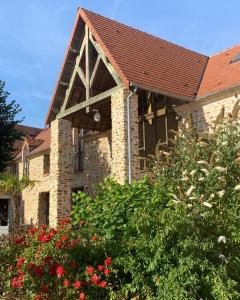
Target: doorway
[44, 205]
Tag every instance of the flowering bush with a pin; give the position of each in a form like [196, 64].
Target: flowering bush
[55, 264]
[178, 237]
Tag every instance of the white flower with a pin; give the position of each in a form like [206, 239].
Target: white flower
[205, 171]
[211, 196]
[202, 162]
[201, 179]
[193, 172]
[237, 187]
[223, 258]
[222, 239]
[190, 190]
[203, 144]
[220, 169]
[176, 201]
[221, 193]
[185, 172]
[192, 198]
[189, 205]
[207, 204]
[185, 179]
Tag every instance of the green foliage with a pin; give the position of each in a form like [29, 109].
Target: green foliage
[8, 131]
[178, 237]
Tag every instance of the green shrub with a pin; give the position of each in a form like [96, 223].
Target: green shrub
[179, 237]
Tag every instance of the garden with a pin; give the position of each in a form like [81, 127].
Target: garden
[174, 235]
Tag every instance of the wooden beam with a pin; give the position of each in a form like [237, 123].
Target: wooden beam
[105, 61]
[88, 102]
[75, 71]
[87, 59]
[94, 70]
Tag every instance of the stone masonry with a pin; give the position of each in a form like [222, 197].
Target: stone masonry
[61, 170]
[119, 135]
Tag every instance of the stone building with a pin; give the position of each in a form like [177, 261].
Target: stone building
[119, 92]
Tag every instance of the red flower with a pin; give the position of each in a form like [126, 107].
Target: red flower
[60, 271]
[107, 271]
[43, 227]
[31, 231]
[37, 297]
[82, 296]
[58, 245]
[95, 279]
[108, 261]
[17, 282]
[20, 272]
[20, 261]
[89, 270]
[46, 238]
[94, 238]
[66, 283]
[47, 260]
[82, 222]
[77, 284]
[19, 240]
[38, 271]
[65, 221]
[63, 238]
[100, 268]
[53, 268]
[44, 288]
[52, 231]
[103, 284]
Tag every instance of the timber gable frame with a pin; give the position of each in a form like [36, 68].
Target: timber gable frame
[87, 76]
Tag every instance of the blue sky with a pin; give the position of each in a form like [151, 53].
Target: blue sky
[34, 35]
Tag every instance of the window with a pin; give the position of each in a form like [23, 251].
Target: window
[46, 164]
[79, 151]
[156, 118]
[26, 168]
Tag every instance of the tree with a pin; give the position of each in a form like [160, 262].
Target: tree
[14, 186]
[8, 127]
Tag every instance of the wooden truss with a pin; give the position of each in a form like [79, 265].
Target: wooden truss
[87, 74]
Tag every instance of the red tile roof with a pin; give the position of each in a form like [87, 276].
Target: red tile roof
[45, 137]
[27, 132]
[220, 73]
[147, 60]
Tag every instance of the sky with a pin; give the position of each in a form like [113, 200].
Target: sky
[34, 35]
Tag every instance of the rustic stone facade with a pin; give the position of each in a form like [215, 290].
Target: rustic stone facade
[105, 154]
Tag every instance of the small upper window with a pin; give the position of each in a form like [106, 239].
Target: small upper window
[235, 58]
[46, 164]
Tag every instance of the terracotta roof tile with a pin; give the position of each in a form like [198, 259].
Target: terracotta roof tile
[220, 73]
[147, 60]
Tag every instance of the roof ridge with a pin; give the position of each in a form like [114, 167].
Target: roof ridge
[139, 30]
[225, 50]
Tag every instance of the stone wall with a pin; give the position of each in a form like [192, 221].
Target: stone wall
[206, 110]
[120, 136]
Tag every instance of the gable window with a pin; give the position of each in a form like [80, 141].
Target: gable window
[156, 118]
[46, 164]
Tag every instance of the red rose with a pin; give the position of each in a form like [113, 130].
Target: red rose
[66, 283]
[100, 268]
[60, 271]
[20, 272]
[43, 227]
[52, 231]
[37, 297]
[95, 279]
[20, 261]
[103, 284]
[17, 282]
[19, 240]
[63, 238]
[46, 238]
[38, 271]
[44, 288]
[82, 296]
[58, 245]
[77, 284]
[94, 238]
[108, 261]
[89, 270]
[107, 271]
